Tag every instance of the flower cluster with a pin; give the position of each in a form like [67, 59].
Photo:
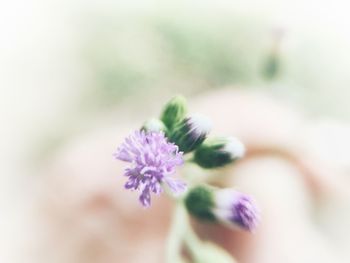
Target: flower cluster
[158, 148]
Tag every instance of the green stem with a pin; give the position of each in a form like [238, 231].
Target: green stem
[192, 242]
[176, 234]
[181, 233]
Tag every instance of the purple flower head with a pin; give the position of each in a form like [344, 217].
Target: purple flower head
[153, 160]
[236, 209]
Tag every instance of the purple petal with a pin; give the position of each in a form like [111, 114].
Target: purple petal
[145, 197]
[245, 213]
[123, 155]
[176, 186]
[132, 183]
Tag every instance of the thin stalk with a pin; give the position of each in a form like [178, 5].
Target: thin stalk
[176, 234]
[192, 242]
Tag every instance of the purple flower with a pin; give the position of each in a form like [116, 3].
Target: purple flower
[236, 209]
[153, 160]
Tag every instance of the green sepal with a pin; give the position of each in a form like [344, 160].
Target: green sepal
[199, 202]
[190, 132]
[210, 154]
[182, 137]
[174, 111]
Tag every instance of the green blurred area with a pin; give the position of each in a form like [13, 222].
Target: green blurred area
[172, 55]
[135, 60]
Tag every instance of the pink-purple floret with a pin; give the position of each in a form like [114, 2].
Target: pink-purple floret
[153, 160]
[245, 213]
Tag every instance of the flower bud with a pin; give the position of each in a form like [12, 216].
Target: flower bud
[190, 132]
[236, 209]
[174, 112]
[219, 152]
[226, 206]
[154, 125]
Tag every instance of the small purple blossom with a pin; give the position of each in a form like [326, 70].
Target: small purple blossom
[244, 213]
[153, 160]
[236, 209]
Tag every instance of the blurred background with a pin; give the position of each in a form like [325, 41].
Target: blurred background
[68, 68]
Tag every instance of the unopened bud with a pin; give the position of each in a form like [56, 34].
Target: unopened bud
[190, 132]
[174, 112]
[226, 206]
[218, 152]
[154, 125]
[236, 209]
